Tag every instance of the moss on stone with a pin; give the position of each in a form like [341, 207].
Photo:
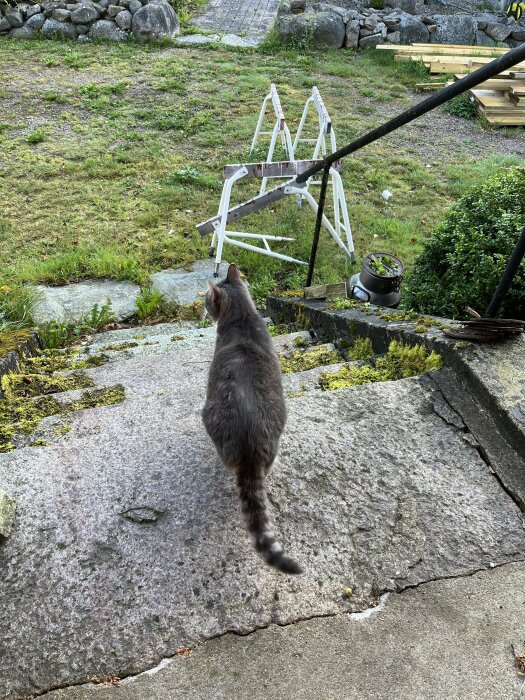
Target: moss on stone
[400, 361]
[300, 361]
[174, 338]
[11, 341]
[98, 397]
[115, 347]
[23, 385]
[278, 329]
[62, 429]
[362, 349]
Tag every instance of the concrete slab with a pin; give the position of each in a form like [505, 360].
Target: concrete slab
[128, 542]
[445, 640]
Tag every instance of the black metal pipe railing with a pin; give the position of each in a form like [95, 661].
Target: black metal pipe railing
[504, 62]
[508, 275]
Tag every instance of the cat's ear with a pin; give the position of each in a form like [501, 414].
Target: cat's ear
[233, 274]
[214, 293]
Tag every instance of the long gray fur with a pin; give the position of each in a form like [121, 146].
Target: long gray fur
[245, 411]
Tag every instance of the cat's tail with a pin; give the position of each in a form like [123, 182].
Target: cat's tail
[254, 507]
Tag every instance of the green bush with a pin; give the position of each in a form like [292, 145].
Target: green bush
[461, 106]
[463, 260]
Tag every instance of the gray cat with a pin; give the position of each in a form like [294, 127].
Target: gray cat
[245, 412]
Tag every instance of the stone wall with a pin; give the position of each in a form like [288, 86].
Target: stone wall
[351, 24]
[83, 20]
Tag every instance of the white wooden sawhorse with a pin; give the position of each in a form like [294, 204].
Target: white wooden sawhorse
[226, 214]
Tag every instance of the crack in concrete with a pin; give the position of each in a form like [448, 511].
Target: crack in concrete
[357, 616]
[468, 435]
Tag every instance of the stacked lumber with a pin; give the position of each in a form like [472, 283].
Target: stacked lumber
[501, 100]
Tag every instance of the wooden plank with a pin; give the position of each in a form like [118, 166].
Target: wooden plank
[437, 49]
[282, 168]
[516, 75]
[326, 290]
[252, 205]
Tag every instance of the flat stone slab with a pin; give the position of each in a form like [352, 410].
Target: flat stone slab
[240, 41]
[197, 39]
[185, 286]
[446, 640]
[73, 301]
[128, 542]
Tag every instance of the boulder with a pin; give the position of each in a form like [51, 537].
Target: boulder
[319, 29]
[497, 31]
[81, 29]
[21, 33]
[458, 29]
[134, 5]
[394, 38]
[352, 34]
[61, 15]
[412, 30]
[124, 19]
[519, 34]
[483, 40]
[15, 19]
[84, 14]
[113, 10]
[370, 42]
[155, 20]
[4, 25]
[36, 21]
[408, 6]
[64, 30]
[105, 29]
[33, 10]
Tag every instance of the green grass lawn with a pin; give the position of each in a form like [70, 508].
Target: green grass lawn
[111, 154]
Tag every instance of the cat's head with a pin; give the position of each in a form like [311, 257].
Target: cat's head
[229, 293]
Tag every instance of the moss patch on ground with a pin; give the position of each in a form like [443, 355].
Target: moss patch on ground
[28, 393]
[300, 361]
[399, 362]
[12, 341]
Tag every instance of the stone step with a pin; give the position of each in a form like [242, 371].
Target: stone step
[298, 383]
[128, 541]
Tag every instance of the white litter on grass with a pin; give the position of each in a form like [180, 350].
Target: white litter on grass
[386, 194]
[371, 611]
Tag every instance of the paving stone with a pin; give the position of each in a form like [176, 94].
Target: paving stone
[71, 302]
[183, 286]
[193, 39]
[255, 18]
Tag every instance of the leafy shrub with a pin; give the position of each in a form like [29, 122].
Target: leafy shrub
[461, 106]
[148, 303]
[463, 260]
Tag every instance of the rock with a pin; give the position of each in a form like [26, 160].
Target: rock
[483, 40]
[113, 10]
[498, 32]
[320, 29]
[458, 29]
[518, 34]
[183, 286]
[84, 14]
[33, 10]
[71, 302]
[15, 19]
[297, 6]
[394, 37]
[64, 30]
[81, 29]
[83, 37]
[105, 29]
[105, 4]
[124, 3]
[408, 6]
[196, 39]
[370, 42]
[412, 30]
[352, 34]
[21, 33]
[4, 25]
[123, 19]
[7, 513]
[134, 5]
[392, 22]
[61, 15]
[370, 23]
[155, 20]
[240, 41]
[36, 21]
